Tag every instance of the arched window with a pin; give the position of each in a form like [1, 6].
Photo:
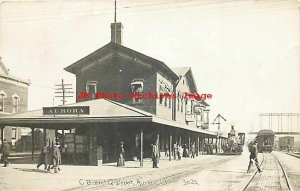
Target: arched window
[16, 103]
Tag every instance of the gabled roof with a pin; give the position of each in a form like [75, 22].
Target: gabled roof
[181, 71]
[111, 47]
[187, 72]
[3, 69]
[5, 75]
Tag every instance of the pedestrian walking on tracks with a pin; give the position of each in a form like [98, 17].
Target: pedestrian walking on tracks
[253, 156]
[5, 152]
[155, 154]
[43, 159]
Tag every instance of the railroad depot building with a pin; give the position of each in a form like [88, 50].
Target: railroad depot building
[13, 99]
[117, 71]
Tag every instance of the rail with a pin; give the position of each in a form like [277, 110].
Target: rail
[282, 168]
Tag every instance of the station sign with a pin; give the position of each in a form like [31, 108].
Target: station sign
[71, 110]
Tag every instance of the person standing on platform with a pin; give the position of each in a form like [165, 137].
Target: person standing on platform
[43, 159]
[166, 150]
[193, 150]
[121, 160]
[56, 157]
[5, 152]
[185, 151]
[253, 156]
[175, 150]
[180, 150]
[155, 154]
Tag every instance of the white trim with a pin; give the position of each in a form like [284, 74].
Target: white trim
[18, 103]
[91, 83]
[14, 82]
[15, 95]
[3, 93]
[3, 100]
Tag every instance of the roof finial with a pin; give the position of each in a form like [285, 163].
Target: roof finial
[115, 11]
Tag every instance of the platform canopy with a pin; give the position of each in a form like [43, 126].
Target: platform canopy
[100, 111]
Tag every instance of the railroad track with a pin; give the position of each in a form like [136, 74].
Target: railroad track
[273, 177]
[294, 155]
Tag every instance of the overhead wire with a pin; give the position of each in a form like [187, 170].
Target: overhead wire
[171, 11]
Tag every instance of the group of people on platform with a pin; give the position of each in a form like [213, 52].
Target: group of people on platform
[50, 156]
[179, 151]
[155, 154]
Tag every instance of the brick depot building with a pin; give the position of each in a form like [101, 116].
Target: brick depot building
[13, 99]
[116, 69]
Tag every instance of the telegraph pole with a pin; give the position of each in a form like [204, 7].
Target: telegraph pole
[219, 122]
[115, 21]
[63, 91]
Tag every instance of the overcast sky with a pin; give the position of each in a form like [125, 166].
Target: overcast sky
[244, 53]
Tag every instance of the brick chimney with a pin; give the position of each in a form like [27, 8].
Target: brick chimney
[116, 33]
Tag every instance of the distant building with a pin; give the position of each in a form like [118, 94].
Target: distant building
[13, 99]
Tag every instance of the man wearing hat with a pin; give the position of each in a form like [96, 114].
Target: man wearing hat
[253, 155]
[56, 157]
[43, 159]
[121, 160]
[5, 152]
[155, 154]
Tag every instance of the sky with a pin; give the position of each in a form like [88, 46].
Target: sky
[244, 53]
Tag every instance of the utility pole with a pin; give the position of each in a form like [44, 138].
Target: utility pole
[219, 117]
[115, 21]
[63, 91]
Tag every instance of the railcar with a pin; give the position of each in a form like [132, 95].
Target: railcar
[265, 140]
[286, 143]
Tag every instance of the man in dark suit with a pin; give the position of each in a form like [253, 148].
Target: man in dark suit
[43, 159]
[155, 154]
[5, 152]
[253, 156]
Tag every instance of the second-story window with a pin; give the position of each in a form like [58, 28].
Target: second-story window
[91, 89]
[2, 96]
[166, 101]
[189, 110]
[16, 103]
[137, 88]
[13, 133]
[161, 95]
[178, 104]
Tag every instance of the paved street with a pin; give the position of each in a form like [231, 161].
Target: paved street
[206, 172]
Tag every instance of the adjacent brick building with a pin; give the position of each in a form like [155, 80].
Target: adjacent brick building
[13, 99]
